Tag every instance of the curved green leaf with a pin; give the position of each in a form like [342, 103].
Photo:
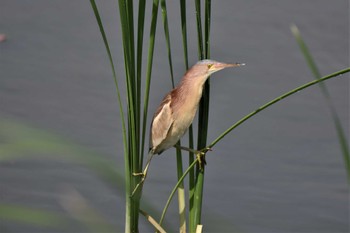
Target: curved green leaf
[261, 108]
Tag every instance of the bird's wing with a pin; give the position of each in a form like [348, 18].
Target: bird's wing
[162, 121]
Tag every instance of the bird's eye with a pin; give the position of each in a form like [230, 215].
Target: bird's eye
[209, 66]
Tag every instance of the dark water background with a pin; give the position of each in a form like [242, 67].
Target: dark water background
[280, 172]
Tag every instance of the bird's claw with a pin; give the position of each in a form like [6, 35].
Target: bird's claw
[201, 161]
[143, 177]
[205, 150]
[139, 174]
[201, 157]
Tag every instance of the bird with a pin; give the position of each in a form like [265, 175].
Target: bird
[177, 110]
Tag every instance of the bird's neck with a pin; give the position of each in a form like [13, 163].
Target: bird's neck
[190, 91]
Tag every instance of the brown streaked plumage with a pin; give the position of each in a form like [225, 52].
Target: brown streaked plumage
[178, 108]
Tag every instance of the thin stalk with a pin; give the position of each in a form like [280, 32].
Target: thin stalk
[181, 191]
[198, 197]
[127, 22]
[140, 30]
[192, 184]
[184, 31]
[153, 222]
[279, 98]
[203, 113]
[207, 28]
[149, 68]
[190, 130]
[194, 199]
[167, 39]
[131, 86]
[121, 112]
[199, 29]
[136, 105]
[174, 190]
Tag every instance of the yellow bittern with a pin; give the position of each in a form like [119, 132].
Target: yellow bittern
[178, 108]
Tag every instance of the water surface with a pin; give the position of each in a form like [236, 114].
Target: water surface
[280, 172]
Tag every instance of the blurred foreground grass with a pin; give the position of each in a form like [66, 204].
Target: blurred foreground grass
[20, 141]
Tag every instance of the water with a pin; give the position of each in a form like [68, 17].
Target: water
[282, 171]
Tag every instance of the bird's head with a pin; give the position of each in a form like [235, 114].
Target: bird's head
[205, 68]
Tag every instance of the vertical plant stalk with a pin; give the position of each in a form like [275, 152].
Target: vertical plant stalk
[199, 30]
[137, 165]
[149, 69]
[140, 30]
[190, 168]
[181, 190]
[134, 94]
[194, 215]
[199, 174]
[121, 112]
[207, 28]
[203, 113]
[167, 39]
[190, 130]
[127, 24]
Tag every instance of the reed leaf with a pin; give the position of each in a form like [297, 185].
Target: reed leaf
[203, 112]
[121, 111]
[167, 39]
[140, 31]
[135, 164]
[149, 69]
[135, 139]
[343, 142]
[199, 30]
[190, 130]
[184, 31]
[105, 41]
[181, 190]
[191, 167]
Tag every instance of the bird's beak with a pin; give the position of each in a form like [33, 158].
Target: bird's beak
[220, 66]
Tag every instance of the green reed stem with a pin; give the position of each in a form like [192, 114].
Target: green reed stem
[181, 190]
[149, 69]
[174, 190]
[140, 30]
[121, 112]
[203, 112]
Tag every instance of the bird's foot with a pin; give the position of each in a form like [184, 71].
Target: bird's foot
[139, 174]
[200, 154]
[201, 157]
[205, 150]
[201, 161]
[143, 177]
